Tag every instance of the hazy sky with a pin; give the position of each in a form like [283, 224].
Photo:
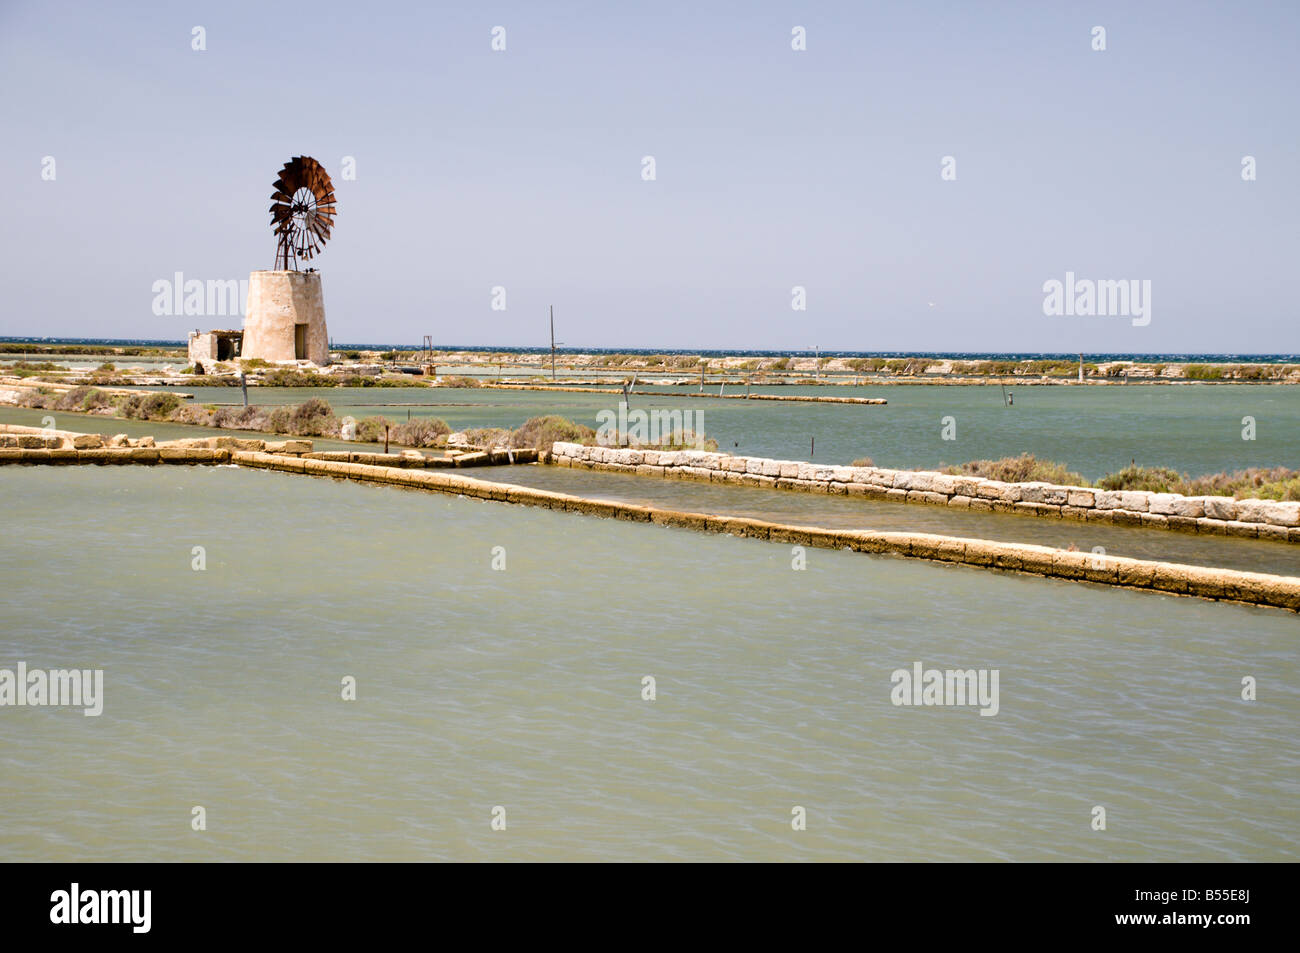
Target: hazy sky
[774, 168]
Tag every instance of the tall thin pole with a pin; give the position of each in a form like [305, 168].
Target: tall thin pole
[552, 342]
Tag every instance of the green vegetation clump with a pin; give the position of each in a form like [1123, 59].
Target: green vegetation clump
[29, 369]
[488, 436]
[421, 432]
[1276, 483]
[156, 406]
[375, 380]
[1025, 468]
[543, 432]
[312, 418]
[1152, 479]
[460, 382]
[371, 429]
[862, 462]
[290, 377]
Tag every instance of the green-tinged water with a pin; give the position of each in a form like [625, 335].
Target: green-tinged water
[1194, 428]
[845, 512]
[522, 688]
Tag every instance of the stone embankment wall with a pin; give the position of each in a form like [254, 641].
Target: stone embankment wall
[20, 444]
[796, 398]
[1216, 515]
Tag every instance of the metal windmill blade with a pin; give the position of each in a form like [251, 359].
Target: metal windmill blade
[302, 212]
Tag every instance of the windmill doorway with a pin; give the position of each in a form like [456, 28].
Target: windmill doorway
[300, 342]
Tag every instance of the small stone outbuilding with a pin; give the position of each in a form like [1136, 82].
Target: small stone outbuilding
[206, 348]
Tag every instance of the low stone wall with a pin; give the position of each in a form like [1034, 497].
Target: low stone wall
[797, 398]
[1172, 578]
[16, 435]
[413, 458]
[1215, 515]
[118, 455]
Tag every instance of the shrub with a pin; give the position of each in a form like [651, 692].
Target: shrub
[312, 418]
[487, 437]
[862, 462]
[95, 400]
[1153, 479]
[1025, 468]
[543, 432]
[421, 432]
[74, 399]
[289, 377]
[685, 439]
[371, 429]
[242, 418]
[156, 406]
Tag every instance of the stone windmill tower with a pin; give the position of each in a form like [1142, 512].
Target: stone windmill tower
[285, 318]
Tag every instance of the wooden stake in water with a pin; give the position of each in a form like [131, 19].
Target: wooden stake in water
[812, 448]
[385, 438]
[627, 400]
[243, 385]
[552, 342]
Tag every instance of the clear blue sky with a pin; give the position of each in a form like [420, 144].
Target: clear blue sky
[775, 168]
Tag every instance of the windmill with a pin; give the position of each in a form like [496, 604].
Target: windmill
[285, 315]
[302, 211]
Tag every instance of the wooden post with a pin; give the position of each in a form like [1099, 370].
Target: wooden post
[385, 438]
[243, 386]
[812, 448]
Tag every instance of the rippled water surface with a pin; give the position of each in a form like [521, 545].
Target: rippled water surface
[522, 688]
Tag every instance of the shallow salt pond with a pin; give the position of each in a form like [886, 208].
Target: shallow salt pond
[833, 511]
[521, 688]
